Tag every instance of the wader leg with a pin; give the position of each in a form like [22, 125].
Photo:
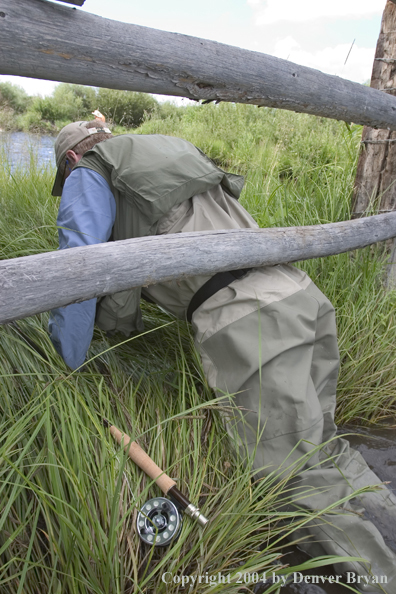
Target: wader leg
[271, 338]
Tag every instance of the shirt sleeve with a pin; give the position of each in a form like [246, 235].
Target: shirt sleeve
[86, 216]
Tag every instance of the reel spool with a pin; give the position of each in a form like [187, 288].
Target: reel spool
[159, 522]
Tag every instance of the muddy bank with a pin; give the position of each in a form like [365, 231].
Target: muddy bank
[378, 448]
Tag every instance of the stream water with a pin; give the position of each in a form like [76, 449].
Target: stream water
[377, 446]
[20, 148]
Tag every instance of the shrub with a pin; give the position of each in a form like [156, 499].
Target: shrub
[7, 119]
[32, 121]
[14, 97]
[68, 102]
[125, 108]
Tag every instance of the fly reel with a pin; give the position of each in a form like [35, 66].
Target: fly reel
[159, 522]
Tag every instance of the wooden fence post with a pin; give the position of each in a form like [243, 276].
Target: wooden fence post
[375, 183]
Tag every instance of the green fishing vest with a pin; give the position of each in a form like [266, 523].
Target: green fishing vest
[148, 175]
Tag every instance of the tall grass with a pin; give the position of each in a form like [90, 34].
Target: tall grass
[68, 496]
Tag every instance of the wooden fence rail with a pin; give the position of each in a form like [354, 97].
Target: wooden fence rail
[34, 284]
[41, 39]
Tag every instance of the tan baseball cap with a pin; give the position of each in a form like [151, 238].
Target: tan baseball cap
[67, 139]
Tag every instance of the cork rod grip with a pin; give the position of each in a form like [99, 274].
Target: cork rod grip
[144, 461]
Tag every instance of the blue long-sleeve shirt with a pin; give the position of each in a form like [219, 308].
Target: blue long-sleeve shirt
[86, 216]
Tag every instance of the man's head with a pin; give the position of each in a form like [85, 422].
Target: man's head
[72, 142]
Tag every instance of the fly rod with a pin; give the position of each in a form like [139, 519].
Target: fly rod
[165, 483]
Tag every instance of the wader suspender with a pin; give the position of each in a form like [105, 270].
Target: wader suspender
[214, 284]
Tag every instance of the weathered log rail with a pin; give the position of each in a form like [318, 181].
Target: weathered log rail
[33, 284]
[41, 39]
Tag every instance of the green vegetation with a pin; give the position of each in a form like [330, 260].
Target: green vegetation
[70, 103]
[68, 496]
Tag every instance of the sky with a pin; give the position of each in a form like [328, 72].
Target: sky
[337, 37]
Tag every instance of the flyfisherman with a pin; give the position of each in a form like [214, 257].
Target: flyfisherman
[266, 334]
